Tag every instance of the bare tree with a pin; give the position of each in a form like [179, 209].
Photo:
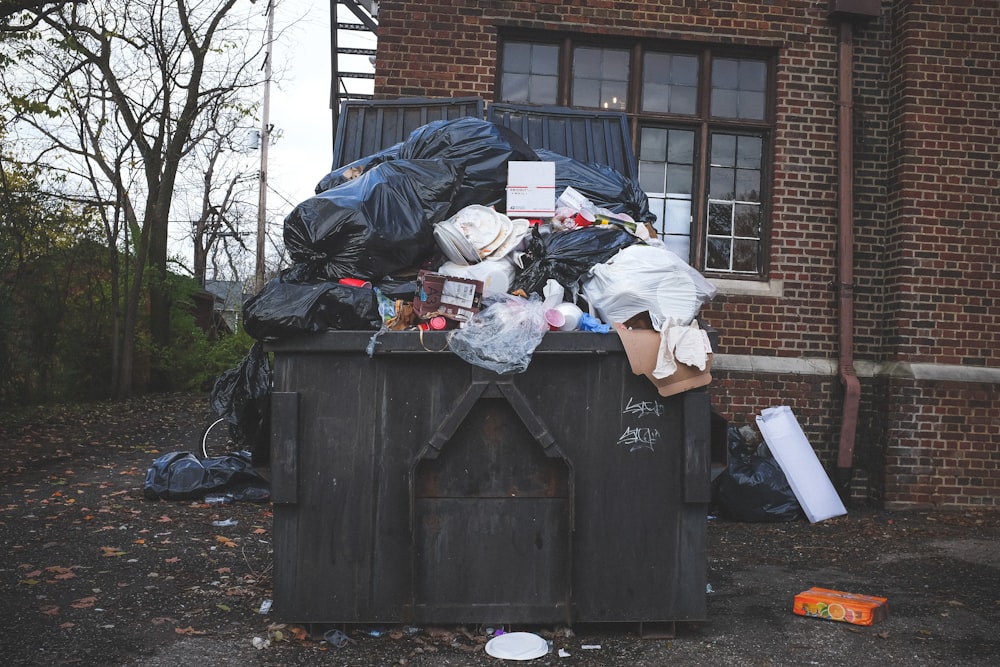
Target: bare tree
[118, 94]
[219, 187]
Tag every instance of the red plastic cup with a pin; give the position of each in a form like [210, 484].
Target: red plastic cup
[355, 282]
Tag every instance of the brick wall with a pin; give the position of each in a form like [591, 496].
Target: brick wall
[927, 218]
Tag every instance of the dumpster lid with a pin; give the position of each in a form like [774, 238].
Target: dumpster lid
[366, 127]
[590, 136]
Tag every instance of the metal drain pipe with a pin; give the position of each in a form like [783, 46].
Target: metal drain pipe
[845, 260]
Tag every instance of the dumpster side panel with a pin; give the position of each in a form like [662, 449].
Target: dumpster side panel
[434, 491]
[492, 535]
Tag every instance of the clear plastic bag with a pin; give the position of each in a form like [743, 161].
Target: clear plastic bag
[502, 336]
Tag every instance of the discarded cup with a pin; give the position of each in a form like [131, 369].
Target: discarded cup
[571, 316]
[555, 319]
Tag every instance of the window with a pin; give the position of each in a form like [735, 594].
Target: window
[701, 127]
[531, 73]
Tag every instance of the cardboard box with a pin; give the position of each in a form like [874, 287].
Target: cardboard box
[452, 297]
[531, 189]
[840, 606]
[642, 347]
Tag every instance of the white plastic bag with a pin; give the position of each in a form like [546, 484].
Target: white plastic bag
[646, 278]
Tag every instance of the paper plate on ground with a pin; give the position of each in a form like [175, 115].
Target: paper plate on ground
[517, 646]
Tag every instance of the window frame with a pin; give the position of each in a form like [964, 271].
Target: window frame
[702, 123]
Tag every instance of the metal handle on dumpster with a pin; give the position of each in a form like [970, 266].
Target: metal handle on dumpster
[284, 447]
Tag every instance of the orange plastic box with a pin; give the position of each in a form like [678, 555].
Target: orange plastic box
[840, 606]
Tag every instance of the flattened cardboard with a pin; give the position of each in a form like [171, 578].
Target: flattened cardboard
[642, 347]
[452, 297]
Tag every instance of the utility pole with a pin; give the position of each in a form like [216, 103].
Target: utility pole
[265, 140]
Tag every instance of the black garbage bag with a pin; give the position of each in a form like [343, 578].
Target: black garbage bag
[375, 225]
[753, 487]
[604, 186]
[480, 147]
[242, 396]
[354, 169]
[566, 256]
[287, 306]
[183, 476]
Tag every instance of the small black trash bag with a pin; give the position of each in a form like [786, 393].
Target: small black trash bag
[242, 396]
[566, 256]
[753, 487]
[287, 306]
[183, 476]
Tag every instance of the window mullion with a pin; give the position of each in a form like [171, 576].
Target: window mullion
[565, 71]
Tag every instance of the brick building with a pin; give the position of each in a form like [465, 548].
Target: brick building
[832, 167]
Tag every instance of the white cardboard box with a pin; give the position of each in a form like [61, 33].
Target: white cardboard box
[531, 189]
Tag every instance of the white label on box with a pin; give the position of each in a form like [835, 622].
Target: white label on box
[458, 294]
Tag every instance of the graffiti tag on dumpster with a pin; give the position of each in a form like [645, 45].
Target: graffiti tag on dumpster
[640, 437]
[643, 408]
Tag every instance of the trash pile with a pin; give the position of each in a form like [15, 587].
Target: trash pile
[432, 235]
[420, 236]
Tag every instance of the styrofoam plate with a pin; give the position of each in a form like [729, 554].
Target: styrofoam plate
[517, 646]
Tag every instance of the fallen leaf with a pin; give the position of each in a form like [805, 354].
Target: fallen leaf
[225, 541]
[66, 625]
[223, 570]
[164, 519]
[64, 575]
[110, 552]
[882, 635]
[189, 631]
[224, 607]
[175, 559]
[260, 531]
[49, 609]
[84, 603]
[34, 573]
[299, 633]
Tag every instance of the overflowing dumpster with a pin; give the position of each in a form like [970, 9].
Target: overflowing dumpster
[489, 389]
[410, 486]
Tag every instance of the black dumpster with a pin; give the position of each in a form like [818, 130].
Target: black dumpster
[410, 486]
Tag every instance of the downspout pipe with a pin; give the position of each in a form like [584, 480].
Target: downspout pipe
[845, 261]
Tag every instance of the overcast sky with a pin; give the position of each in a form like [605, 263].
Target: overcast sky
[300, 101]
